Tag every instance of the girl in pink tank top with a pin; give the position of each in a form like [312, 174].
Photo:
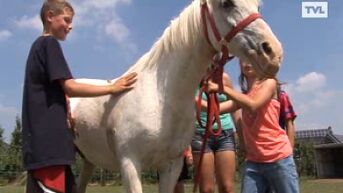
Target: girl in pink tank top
[266, 140]
[269, 160]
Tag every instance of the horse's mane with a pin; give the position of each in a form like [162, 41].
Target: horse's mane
[181, 32]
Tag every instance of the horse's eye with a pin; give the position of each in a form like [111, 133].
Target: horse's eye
[227, 4]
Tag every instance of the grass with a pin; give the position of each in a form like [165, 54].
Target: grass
[306, 186]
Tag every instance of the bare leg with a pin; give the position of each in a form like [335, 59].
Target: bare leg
[207, 178]
[179, 187]
[85, 175]
[225, 171]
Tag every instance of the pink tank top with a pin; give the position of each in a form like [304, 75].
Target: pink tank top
[265, 140]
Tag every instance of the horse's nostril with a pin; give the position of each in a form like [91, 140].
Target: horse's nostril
[266, 48]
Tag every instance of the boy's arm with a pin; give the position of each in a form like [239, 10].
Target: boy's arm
[288, 114]
[290, 128]
[75, 89]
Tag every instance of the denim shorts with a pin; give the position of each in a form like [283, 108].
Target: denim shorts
[281, 176]
[224, 142]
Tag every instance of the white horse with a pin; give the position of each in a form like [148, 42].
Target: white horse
[150, 126]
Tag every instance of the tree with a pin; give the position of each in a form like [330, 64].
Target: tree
[305, 159]
[2, 153]
[2, 146]
[14, 162]
[15, 144]
[2, 149]
[1, 137]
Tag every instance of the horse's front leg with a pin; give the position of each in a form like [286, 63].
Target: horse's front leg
[130, 170]
[85, 175]
[168, 175]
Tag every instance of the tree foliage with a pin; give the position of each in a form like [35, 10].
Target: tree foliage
[11, 156]
[1, 137]
[305, 159]
[2, 152]
[11, 161]
[14, 152]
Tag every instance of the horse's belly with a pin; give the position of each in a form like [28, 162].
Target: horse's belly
[96, 147]
[154, 145]
[92, 138]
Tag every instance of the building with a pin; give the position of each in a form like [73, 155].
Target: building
[329, 159]
[318, 136]
[328, 149]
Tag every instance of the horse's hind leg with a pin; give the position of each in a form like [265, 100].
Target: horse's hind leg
[130, 171]
[85, 175]
[168, 175]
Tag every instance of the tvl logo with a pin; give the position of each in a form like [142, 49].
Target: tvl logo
[314, 9]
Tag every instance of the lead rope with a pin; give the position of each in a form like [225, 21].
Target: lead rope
[213, 104]
[213, 109]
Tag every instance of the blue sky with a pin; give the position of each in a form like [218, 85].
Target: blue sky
[110, 35]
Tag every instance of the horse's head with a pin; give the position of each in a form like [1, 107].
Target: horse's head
[253, 40]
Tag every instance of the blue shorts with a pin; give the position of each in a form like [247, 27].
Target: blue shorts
[224, 142]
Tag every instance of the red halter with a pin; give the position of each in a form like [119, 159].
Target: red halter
[223, 41]
[216, 74]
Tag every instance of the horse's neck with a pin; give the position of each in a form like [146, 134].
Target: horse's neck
[179, 78]
[180, 57]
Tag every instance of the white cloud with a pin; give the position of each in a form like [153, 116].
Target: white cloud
[117, 30]
[27, 22]
[309, 91]
[324, 98]
[317, 105]
[324, 111]
[310, 82]
[104, 4]
[101, 15]
[5, 34]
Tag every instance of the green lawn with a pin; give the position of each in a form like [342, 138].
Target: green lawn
[306, 186]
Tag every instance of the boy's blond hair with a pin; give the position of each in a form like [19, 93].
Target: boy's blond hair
[56, 6]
